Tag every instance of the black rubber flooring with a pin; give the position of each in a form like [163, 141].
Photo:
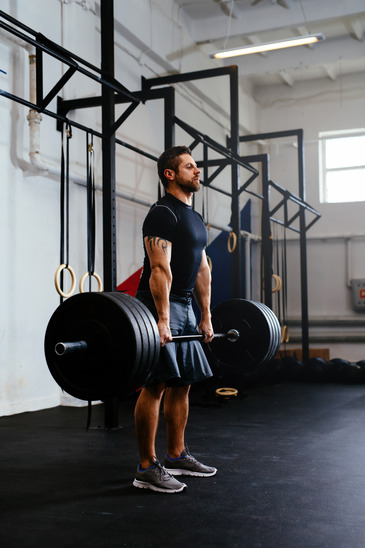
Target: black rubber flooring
[291, 473]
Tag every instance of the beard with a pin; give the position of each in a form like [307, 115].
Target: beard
[189, 186]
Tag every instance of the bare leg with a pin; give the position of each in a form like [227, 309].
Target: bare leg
[146, 416]
[176, 411]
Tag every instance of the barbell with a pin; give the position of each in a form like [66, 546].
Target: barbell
[102, 345]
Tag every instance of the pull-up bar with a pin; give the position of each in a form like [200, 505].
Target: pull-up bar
[44, 44]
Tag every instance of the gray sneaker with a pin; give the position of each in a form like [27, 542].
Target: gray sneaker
[156, 478]
[187, 465]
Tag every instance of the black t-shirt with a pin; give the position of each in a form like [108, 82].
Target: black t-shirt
[173, 220]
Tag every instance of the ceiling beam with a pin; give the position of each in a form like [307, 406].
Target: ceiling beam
[256, 19]
[356, 29]
[331, 72]
[286, 77]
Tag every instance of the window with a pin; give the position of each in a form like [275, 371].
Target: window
[342, 166]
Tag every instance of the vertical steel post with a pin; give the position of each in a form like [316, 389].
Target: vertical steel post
[39, 77]
[303, 251]
[108, 157]
[169, 106]
[108, 145]
[266, 243]
[236, 288]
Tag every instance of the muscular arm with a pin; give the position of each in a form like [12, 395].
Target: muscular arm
[159, 254]
[202, 297]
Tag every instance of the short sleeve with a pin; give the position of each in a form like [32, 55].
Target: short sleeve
[161, 222]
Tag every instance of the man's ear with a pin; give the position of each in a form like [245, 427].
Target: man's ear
[169, 174]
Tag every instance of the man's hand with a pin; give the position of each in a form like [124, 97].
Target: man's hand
[206, 329]
[165, 333]
[202, 297]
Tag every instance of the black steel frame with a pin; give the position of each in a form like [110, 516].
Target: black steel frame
[304, 226]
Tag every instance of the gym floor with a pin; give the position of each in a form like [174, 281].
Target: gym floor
[290, 461]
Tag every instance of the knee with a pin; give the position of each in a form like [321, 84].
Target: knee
[154, 391]
[177, 393]
[181, 391]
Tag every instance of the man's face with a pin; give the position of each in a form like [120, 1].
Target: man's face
[187, 175]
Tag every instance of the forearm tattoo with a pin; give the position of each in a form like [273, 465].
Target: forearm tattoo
[154, 241]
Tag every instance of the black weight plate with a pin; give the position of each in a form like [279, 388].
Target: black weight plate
[248, 319]
[149, 336]
[270, 322]
[275, 330]
[154, 336]
[276, 327]
[145, 355]
[96, 373]
[130, 379]
[278, 335]
[129, 384]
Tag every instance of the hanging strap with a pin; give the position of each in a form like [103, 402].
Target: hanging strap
[90, 206]
[203, 205]
[64, 217]
[277, 270]
[285, 289]
[90, 216]
[62, 201]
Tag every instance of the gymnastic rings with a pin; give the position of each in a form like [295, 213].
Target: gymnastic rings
[232, 242]
[226, 392]
[284, 334]
[57, 280]
[97, 278]
[210, 264]
[278, 283]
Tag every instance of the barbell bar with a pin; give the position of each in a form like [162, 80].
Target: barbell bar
[63, 348]
[112, 343]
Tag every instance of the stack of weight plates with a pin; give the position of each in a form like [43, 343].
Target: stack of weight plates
[122, 345]
[259, 334]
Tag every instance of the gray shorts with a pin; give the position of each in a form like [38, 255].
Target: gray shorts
[184, 363]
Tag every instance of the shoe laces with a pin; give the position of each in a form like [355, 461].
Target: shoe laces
[188, 455]
[160, 469]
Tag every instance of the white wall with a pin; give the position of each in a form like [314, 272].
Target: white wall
[145, 36]
[336, 242]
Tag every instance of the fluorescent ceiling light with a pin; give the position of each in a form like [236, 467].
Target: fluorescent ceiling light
[267, 46]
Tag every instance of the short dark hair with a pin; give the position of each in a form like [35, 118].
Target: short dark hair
[170, 160]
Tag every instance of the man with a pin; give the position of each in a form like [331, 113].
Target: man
[175, 269]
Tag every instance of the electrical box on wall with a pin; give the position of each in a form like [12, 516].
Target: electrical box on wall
[358, 294]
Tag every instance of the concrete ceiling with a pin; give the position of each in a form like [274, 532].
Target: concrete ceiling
[216, 24]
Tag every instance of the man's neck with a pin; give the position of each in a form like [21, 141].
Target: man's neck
[181, 195]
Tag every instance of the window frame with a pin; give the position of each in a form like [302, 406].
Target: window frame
[323, 137]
